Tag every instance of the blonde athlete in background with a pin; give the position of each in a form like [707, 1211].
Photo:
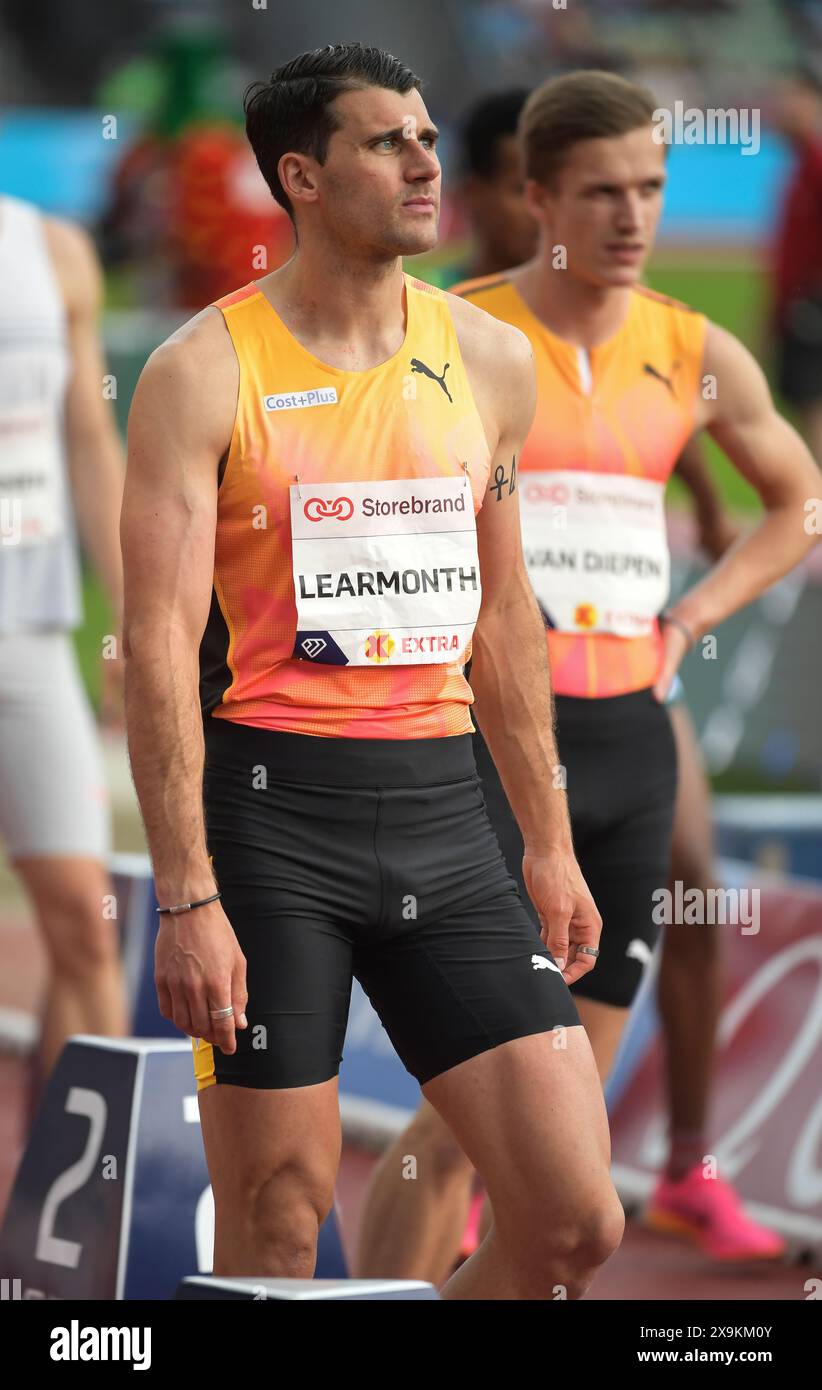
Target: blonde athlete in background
[620, 374]
[689, 986]
[307, 515]
[61, 472]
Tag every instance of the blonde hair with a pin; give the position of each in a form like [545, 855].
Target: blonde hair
[585, 105]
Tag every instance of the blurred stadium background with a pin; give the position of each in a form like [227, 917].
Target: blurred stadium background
[127, 118]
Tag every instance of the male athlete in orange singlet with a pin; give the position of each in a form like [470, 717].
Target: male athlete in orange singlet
[306, 521]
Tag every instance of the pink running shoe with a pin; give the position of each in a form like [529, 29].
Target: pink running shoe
[709, 1212]
[470, 1239]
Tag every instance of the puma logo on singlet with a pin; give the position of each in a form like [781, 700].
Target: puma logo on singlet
[666, 380]
[543, 963]
[418, 366]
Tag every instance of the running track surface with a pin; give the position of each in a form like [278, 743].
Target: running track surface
[646, 1267]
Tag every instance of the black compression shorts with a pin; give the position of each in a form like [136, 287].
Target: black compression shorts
[375, 858]
[619, 758]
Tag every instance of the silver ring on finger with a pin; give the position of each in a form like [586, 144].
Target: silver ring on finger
[221, 1013]
[587, 950]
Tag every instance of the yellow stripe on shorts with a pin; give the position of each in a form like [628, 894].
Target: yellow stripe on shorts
[203, 1063]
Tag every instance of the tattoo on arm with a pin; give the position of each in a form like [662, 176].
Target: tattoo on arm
[500, 480]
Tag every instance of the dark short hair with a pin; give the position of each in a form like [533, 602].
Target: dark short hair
[488, 122]
[584, 105]
[293, 109]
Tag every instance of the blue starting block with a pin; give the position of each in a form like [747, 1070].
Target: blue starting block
[291, 1290]
[133, 885]
[112, 1198]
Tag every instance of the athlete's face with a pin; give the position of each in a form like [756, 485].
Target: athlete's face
[604, 207]
[380, 184]
[503, 225]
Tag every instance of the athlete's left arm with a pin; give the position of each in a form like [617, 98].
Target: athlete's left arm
[96, 460]
[770, 455]
[510, 677]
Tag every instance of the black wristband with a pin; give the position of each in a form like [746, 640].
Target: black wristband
[186, 907]
[667, 617]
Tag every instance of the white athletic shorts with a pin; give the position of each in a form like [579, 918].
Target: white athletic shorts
[54, 797]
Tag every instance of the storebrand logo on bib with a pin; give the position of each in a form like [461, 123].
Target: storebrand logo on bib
[556, 493]
[338, 509]
[301, 400]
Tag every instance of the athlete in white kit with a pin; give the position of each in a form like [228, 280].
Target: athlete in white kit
[61, 472]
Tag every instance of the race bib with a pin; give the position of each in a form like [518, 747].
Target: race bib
[385, 573]
[31, 488]
[596, 549]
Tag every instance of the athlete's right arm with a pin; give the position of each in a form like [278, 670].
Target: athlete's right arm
[717, 530]
[179, 428]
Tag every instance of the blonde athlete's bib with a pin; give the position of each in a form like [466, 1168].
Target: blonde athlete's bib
[596, 549]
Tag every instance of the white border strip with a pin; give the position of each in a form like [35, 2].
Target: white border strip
[756, 811]
[19, 1032]
[298, 1290]
[373, 1124]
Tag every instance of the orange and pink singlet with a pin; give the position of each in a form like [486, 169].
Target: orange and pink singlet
[609, 428]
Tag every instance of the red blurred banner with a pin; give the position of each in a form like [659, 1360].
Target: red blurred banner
[765, 1122]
